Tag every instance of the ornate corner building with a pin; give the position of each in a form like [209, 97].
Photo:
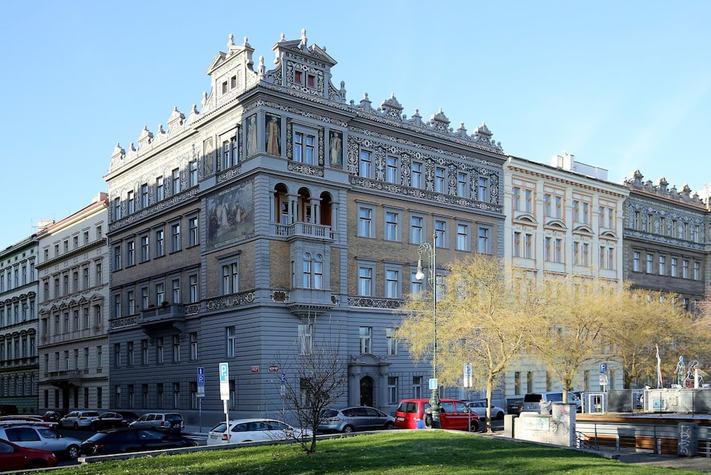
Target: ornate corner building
[667, 239]
[73, 310]
[279, 214]
[18, 326]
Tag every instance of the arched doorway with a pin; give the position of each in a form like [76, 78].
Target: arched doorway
[366, 391]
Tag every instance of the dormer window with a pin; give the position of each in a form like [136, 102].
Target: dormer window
[298, 77]
[311, 81]
[233, 82]
[224, 87]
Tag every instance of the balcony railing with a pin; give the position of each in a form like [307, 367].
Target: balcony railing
[164, 315]
[301, 229]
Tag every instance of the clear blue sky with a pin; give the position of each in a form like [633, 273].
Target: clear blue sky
[622, 85]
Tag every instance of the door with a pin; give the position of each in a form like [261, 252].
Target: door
[24, 437]
[376, 420]
[366, 391]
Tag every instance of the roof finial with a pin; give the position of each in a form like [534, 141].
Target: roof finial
[283, 37]
[230, 40]
[246, 42]
[262, 69]
[304, 40]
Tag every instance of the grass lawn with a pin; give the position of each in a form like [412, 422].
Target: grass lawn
[426, 452]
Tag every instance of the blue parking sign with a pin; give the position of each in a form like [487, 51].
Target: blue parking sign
[201, 382]
[603, 368]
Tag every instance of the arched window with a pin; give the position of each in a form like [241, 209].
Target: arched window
[281, 204]
[306, 279]
[305, 206]
[318, 272]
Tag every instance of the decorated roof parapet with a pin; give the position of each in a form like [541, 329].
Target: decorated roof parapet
[662, 189]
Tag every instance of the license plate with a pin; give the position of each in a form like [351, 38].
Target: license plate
[400, 419]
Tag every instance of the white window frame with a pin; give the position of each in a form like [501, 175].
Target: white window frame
[365, 163]
[463, 237]
[391, 225]
[364, 220]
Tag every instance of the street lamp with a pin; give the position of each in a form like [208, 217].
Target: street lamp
[430, 248]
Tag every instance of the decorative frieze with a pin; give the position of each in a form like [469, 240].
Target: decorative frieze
[154, 209]
[123, 322]
[230, 301]
[299, 167]
[373, 302]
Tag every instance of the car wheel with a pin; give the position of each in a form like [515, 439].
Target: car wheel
[73, 452]
[76, 426]
[389, 426]
[348, 429]
[500, 415]
[474, 426]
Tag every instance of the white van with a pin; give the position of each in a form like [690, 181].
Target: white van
[532, 401]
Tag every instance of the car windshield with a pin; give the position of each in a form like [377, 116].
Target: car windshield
[329, 413]
[408, 407]
[554, 397]
[48, 434]
[218, 428]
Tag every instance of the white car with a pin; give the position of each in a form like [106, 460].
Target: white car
[253, 430]
[78, 419]
[43, 438]
[479, 408]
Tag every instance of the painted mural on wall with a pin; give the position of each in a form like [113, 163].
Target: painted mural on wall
[251, 135]
[230, 215]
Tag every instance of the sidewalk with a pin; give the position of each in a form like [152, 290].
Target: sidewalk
[701, 464]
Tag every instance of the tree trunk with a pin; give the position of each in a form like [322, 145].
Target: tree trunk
[489, 388]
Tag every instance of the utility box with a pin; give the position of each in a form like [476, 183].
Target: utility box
[509, 421]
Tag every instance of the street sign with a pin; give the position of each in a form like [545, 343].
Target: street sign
[201, 382]
[603, 368]
[224, 382]
[467, 377]
[433, 384]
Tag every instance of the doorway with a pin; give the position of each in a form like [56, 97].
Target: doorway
[366, 391]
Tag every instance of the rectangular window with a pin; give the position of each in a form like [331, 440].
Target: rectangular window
[99, 358]
[585, 260]
[517, 383]
[131, 302]
[231, 335]
[415, 284]
[576, 211]
[117, 305]
[365, 164]
[529, 382]
[517, 244]
[117, 259]
[516, 198]
[650, 263]
[439, 179]
[662, 265]
[193, 236]
[304, 147]
[160, 189]
[392, 226]
[145, 251]
[697, 270]
[440, 233]
[483, 189]
[391, 341]
[193, 346]
[685, 269]
[558, 251]
[144, 352]
[117, 216]
[416, 229]
[305, 338]
[176, 348]
[462, 185]
[528, 200]
[548, 249]
[175, 240]
[635, 261]
[528, 246]
[160, 356]
[392, 284]
[192, 173]
[365, 281]
[230, 278]
[176, 395]
[417, 387]
[483, 240]
[558, 207]
[365, 335]
[175, 181]
[130, 253]
[144, 298]
[392, 174]
[160, 243]
[393, 397]
[175, 289]
[674, 265]
[586, 212]
[159, 395]
[193, 288]
[416, 175]
[117, 355]
[160, 293]
[548, 205]
[144, 195]
[462, 237]
[365, 222]
[129, 353]
[131, 202]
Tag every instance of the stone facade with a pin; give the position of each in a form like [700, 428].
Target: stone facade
[73, 310]
[563, 219]
[666, 239]
[18, 326]
[279, 215]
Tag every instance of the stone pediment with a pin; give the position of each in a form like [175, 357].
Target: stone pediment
[526, 218]
[556, 224]
[583, 229]
[367, 360]
[608, 235]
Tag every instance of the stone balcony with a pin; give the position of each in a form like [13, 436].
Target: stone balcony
[162, 317]
[306, 302]
[304, 230]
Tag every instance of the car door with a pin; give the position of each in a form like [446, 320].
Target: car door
[51, 440]
[279, 430]
[446, 415]
[374, 417]
[150, 439]
[11, 459]
[239, 434]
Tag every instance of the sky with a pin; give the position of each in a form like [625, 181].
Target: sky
[621, 85]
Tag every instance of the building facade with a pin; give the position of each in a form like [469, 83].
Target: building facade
[18, 326]
[563, 219]
[73, 326]
[277, 217]
[666, 239]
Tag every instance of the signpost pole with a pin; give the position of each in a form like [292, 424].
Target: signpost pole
[200, 392]
[200, 412]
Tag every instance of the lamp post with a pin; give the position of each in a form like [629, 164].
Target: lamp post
[430, 248]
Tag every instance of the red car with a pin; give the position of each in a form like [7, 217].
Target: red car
[454, 415]
[14, 457]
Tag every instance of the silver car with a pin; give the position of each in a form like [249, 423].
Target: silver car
[43, 438]
[355, 418]
[479, 407]
[159, 420]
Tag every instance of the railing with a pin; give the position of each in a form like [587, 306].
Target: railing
[301, 229]
[163, 312]
[65, 374]
[374, 302]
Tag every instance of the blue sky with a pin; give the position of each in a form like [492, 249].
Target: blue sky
[622, 85]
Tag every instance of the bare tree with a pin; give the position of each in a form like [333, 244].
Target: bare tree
[317, 379]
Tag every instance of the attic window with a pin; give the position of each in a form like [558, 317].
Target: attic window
[233, 82]
[311, 81]
[298, 77]
[224, 87]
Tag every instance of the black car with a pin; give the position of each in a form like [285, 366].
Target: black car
[133, 440]
[128, 416]
[53, 416]
[108, 420]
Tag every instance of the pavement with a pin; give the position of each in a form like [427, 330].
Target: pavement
[701, 464]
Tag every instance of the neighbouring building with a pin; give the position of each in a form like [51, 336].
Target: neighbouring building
[279, 214]
[564, 219]
[666, 239]
[18, 326]
[74, 286]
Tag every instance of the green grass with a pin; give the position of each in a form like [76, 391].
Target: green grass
[426, 452]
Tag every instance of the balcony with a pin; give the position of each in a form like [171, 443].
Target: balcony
[304, 230]
[162, 318]
[27, 362]
[310, 302]
[65, 377]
